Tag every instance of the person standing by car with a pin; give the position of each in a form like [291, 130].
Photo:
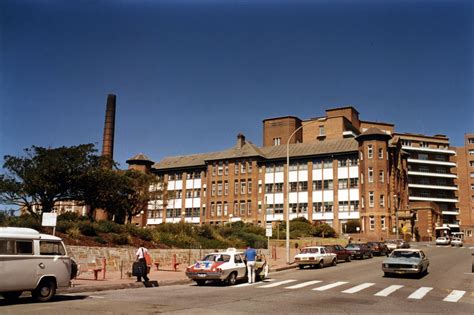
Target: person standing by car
[141, 252]
[250, 255]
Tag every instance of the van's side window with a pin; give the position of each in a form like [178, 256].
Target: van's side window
[16, 247]
[51, 248]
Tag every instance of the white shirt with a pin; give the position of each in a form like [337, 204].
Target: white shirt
[141, 252]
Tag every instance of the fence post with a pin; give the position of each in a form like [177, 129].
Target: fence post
[104, 264]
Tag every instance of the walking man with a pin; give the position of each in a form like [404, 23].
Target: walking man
[250, 255]
[141, 252]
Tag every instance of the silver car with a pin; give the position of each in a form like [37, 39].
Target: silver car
[406, 261]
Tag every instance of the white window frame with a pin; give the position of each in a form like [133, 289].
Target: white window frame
[370, 151]
[371, 199]
[371, 222]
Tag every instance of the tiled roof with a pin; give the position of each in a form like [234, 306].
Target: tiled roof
[251, 150]
[140, 157]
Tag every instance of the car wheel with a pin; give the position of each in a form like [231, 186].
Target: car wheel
[348, 258]
[11, 296]
[45, 291]
[200, 282]
[334, 262]
[371, 255]
[386, 274]
[232, 279]
[321, 264]
[301, 266]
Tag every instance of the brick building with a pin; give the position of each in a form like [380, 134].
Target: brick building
[341, 168]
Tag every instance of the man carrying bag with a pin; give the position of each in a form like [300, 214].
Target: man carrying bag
[140, 268]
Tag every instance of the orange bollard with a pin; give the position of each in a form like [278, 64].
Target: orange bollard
[104, 264]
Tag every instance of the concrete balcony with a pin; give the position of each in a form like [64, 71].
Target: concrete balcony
[441, 175]
[432, 162]
[453, 212]
[432, 187]
[346, 215]
[419, 149]
[434, 199]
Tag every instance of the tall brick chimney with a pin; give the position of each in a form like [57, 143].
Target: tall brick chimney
[109, 129]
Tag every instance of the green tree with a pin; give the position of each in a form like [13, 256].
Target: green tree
[45, 176]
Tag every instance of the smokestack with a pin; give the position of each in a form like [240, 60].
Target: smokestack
[109, 129]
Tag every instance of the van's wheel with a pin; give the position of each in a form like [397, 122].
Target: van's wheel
[45, 291]
[200, 282]
[321, 264]
[334, 262]
[232, 279]
[11, 296]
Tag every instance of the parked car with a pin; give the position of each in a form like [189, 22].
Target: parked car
[359, 251]
[397, 243]
[456, 242]
[32, 261]
[341, 252]
[315, 256]
[378, 248]
[406, 261]
[227, 266]
[404, 244]
[443, 240]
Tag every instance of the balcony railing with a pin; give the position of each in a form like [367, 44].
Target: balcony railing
[445, 151]
[443, 187]
[430, 174]
[434, 199]
[432, 162]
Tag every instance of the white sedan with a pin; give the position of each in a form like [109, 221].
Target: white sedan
[442, 240]
[315, 256]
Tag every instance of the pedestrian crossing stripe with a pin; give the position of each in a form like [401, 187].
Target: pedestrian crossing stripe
[420, 293]
[304, 284]
[330, 286]
[454, 296]
[276, 284]
[358, 288]
[389, 290]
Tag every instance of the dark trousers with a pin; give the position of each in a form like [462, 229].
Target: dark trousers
[145, 277]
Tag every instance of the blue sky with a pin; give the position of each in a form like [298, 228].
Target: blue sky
[190, 75]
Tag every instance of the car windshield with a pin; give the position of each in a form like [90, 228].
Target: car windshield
[217, 257]
[352, 246]
[405, 254]
[309, 251]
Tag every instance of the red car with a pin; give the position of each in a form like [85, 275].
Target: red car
[341, 252]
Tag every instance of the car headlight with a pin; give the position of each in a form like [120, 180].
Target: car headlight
[414, 266]
[385, 265]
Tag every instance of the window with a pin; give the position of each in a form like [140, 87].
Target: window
[361, 155]
[317, 165]
[343, 205]
[321, 131]
[471, 152]
[242, 208]
[236, 209]
[276, 141]
[472, 186]
[470, 140]
[328, 184]
[362, 202]
[12, 247]
[219, 188]
[226, 188]
[354, 183]
[381, 176]
[242, 167]
[243, 187]
[302, 186]
[52, 248]
[381, 154]
[213, 190]
[327, 164]
[371, 174]
[213, 209]
[293, 186]
[219, 209]
[424, 144]
[372, 223]
[371, 199]
[226, 168]
[220, 168]
[370, 151]
[249, 167]
[406, 143]
[354, 205]
[268, 188]
[422, 156]
[236, 168]
[214, 167]
[249, 207]
[382, 222]
[471, 163]
[472, 175]
[382, 201]
[236, 187]
[342, 184]
[317, 185]
[279, 187]
[249, 187]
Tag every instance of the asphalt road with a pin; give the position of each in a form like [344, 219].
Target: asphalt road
[355, 287]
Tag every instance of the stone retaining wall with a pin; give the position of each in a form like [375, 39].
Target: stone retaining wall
[122, 258]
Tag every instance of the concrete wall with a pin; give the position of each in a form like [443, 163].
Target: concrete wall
[91, 257]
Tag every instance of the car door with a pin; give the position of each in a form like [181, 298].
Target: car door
[53, 261]
[240, 266]
[324, 255]
[17, 266]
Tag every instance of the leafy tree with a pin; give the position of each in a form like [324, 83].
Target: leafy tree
[45, 176]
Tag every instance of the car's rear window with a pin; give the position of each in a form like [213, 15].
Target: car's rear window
[310, 251]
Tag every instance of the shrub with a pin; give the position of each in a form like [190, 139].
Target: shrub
[324, 230]
[109, 227]
[120, 239]
[70, 216]
[63, 226]
[74, 233]
[27, 221]
[100, 240]
[87, 229]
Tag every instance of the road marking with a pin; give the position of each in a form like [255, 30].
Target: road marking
[358, 288]
[329, 286]
[272, 285]
[420, 293]
[246, 284]
[454, 296]
[304, 284]
[389, 290]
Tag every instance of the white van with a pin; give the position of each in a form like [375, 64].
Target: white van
[31, 261]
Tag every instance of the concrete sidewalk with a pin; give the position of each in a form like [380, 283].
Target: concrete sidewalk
[85, 282]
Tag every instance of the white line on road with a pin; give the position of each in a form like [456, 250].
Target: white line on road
[454, 296]
[304, 284]
[420, 293]
[330, 286]
[358, 288]
[277, 284]
[389, 290]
